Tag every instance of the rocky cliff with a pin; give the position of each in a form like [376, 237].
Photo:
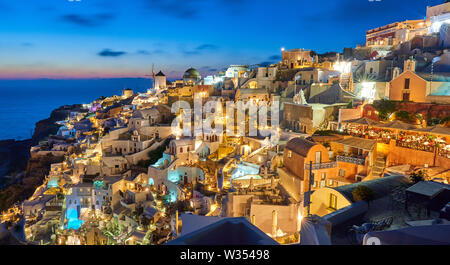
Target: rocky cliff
[20, 175]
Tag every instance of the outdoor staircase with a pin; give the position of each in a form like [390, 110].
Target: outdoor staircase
[378, 168]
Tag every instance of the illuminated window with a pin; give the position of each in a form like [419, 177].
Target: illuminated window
[333, 202]
[341, 172]
[290, 154]
[322, 183]
[318, 157]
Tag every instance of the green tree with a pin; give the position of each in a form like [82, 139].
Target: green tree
[363, 193]
[385, 108]
[418, 176]
[350, 105]
[403, 116]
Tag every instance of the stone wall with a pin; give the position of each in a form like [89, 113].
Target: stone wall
[287, 217]
[428, 110]
[401, 156]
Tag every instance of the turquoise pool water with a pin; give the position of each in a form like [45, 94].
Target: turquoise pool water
[173, 176]
[52, 183]
[244, 169]
[72, 219]
[160, 162]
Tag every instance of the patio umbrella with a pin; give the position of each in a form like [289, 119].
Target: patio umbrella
[398, 125]
[438, 129]
[363, 121]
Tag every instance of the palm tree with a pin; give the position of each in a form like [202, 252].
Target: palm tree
[364, 77]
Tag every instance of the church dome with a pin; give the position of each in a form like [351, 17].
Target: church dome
[191, 76]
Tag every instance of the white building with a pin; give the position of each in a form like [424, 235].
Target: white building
[160, 81]
[438, 15]
[235, 71]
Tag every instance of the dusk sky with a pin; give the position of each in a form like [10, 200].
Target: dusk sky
[118, 38]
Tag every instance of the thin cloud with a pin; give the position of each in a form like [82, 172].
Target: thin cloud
[110, 53]
[88, 20]
[180, 9]
[200, 49]
[206, 47]
[147, 52]
[274, 58]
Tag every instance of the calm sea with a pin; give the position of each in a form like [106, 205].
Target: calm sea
[25, 102]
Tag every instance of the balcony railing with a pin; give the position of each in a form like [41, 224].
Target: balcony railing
[416, 146]
[352, 160]
[332, 164]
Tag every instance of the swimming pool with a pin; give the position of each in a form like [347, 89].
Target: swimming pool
[244, 169]
[72, 219]
[52, 183]
[160, 162]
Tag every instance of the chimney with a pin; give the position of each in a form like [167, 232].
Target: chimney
[274, 223]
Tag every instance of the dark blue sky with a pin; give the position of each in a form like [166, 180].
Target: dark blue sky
[112, 38]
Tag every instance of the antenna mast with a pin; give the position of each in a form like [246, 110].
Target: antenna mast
[153, 75]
